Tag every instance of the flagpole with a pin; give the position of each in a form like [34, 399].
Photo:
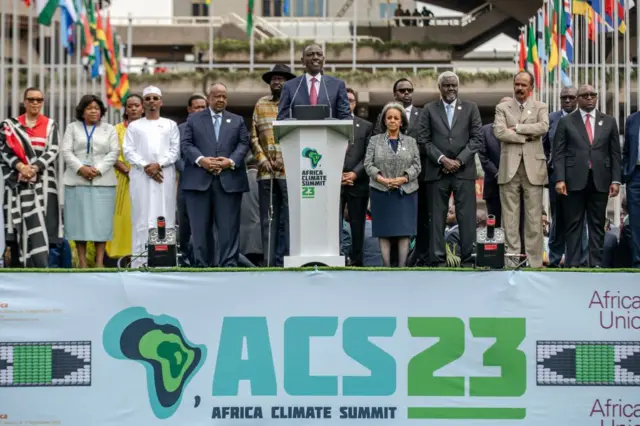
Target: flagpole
[251, 50]
[596, 56]
[30, 15]
[627, 61]
[587, 57]
[211, 35]
[41, 61]
[52, 73]
[68, 102]
[3, 67]
[79, 68]
[15, 53]
[129, 43]
[616, 94]
[354, 54]
[603, 60]
[547, 85]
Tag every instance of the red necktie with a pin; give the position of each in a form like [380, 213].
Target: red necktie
[313, 94]
[587, 123]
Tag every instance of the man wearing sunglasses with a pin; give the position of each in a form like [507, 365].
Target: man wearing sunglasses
[587, 163]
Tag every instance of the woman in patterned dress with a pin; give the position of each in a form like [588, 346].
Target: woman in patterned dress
[28, 162]
[120, 245]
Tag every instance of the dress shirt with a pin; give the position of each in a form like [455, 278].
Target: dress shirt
[453, 108]
[318, 78]
[521, 107]
[592, 121]
[407, 112]
[213, 120]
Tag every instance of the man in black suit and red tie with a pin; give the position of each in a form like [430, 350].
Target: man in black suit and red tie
[587, 162]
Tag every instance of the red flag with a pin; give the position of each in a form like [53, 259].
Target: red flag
[27, 2]
[522, 57]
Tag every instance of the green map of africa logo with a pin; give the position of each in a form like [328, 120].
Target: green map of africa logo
[159, 344]
[313, 156]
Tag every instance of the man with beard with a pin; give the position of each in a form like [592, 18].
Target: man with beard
[403, 93]
[520, 125]
[587, 163]
[152, 147]
[450, 135]
[214, 146]
[272, 183]
[314, 88]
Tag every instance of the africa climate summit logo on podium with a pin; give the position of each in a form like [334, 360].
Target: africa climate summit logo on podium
[312, 177]
[159, 344]
[313, 155]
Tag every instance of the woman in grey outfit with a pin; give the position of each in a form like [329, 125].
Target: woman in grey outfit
[393, 164]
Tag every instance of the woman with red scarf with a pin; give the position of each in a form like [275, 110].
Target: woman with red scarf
[28, 162]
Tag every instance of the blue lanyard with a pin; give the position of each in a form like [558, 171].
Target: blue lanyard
[89, 135]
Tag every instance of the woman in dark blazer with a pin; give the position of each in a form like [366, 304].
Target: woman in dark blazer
[393, 165]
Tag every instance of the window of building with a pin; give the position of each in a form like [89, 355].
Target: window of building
[199, 8]
[387, 10]
[266, 8]
[310, 8]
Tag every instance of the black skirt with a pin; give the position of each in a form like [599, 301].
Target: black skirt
[393, 213]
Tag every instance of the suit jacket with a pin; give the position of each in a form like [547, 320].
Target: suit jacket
[533, 123]
[354, 159]
[380, 158]
[180, 162]
[199, 139]
[489, 154]
[334, 87]
[412, 130]
[460, 142]
[572, 152]
[547, 141]
[630, 155]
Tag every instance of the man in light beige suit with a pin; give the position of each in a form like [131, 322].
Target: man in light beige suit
[519, 125]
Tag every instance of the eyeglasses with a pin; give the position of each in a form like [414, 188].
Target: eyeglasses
[35, 100]
[568, 98]
[352, 101]
[408, 90]
[588, 95]
[152, 98]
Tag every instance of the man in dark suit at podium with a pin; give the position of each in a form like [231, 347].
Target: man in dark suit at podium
[355, 182]
[314, 88]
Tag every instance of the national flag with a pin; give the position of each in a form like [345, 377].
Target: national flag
[68, 20]
[249, 17]
[27, 3]
[86, 45]
[45, 10]
[532, 48]
[522, 54]
[553, 37]
[207, 2]
[286, 8]
[567, 48]
[540, 24]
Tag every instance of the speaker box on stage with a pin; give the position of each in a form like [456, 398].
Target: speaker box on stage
[162, 247]
[490, 246]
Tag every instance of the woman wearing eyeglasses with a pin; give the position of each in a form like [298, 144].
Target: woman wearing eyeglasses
[120, 245]
[28, 162]
[393, 164]
[90, 150]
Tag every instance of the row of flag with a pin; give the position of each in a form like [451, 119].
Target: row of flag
[98, 44]
[548, 42]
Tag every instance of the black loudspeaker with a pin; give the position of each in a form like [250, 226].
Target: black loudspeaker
[162, 246]
[490, 246]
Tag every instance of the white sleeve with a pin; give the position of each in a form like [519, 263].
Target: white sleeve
[129, 150]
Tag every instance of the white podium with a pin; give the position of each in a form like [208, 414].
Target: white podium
[313, 153]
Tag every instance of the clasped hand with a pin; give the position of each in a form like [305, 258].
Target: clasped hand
[215, 165]
[27, 173]
[88, 172]
[154, 171]
[392, 183]
[349, 178]
[450, 166]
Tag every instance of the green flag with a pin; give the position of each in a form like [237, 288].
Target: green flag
[249, 17]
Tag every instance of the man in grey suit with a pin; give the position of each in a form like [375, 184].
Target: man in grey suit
[450, 135]
[195, 103]
[587, 161]
[214, 146]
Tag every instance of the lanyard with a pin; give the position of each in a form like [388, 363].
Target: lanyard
[89, 135]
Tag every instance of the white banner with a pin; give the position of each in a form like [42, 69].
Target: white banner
[269, 348]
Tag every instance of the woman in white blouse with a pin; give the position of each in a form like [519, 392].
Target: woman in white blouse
[90, 150]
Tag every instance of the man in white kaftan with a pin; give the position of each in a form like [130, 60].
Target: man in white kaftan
[152, 147]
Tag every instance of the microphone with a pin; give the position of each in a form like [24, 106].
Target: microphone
[491, 227]
[294, 97]
[162, 231]
[328, 98]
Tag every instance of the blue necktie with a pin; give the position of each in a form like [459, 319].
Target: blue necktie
[216, 125]
[450, 114]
